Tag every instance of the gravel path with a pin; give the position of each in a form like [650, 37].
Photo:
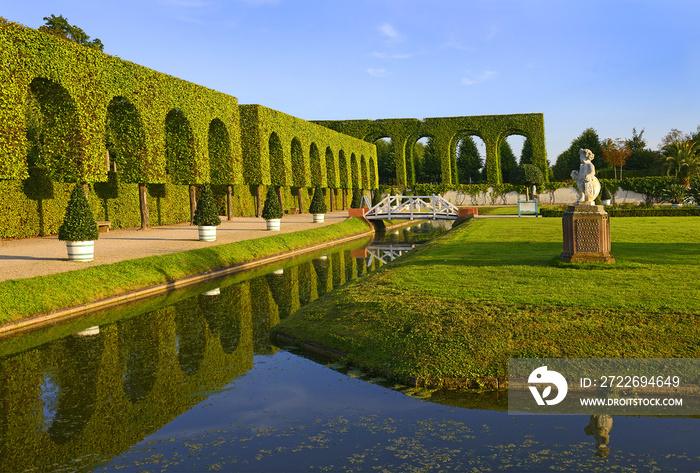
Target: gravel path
[24, 258]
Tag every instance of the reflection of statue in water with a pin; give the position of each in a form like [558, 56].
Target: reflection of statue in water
[588, 185]
[599, 427]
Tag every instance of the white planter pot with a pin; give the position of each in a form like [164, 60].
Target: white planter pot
[273, 224]
[207, 233]
[607, 201]
[88, 332]
[81, 250]
[212, 292]
[319, 218]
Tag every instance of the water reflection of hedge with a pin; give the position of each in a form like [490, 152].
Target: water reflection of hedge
[101, 408]
[138, 357]
[264, 316]
[321, 269]
[76, 378]
[147, 368]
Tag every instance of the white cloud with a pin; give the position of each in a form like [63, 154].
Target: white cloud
[390, 32]
[472, 79]
[376, 72]
[380, 55]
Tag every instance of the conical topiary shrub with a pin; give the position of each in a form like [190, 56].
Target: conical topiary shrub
[605, 194]
[79, 229]
[206, 215]
[356, 198]
[272, 211]
[318, 205]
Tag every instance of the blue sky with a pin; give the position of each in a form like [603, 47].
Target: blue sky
[609, 64]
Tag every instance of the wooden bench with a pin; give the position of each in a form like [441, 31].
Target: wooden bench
[528, 207]
[103, 226]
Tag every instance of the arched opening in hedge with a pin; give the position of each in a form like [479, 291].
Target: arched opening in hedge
[509, 152]
[125, 140]
[276, 155]
[54, 139]
[220, 159]
[298, 168]
[354, 171]
[364, 175]
[385, 160]
[343, 174]
[330, 175]
[179, 148]
[315, 161]
[418, 167]
[470, 152]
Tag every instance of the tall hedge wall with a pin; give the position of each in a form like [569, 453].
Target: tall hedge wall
[73, 114]
[87, 100]
[446, 133]
[303, 154]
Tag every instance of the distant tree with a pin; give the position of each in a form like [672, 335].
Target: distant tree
[675, 135]
[418, 154]
[682, 158]
[385, 162]
[616, 152]
[469, 162]
[527, 174]
[432, 168]
[527, 152]
[59, 26]
[569, 159]
[641, 157]
[508, 161]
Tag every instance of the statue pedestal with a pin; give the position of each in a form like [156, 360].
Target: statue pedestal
[586, 235]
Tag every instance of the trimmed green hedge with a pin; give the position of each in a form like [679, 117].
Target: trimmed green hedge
[24, 217]
[72, 114]
[85, 99]
[283, 150]
[446, 133]
[613, 211]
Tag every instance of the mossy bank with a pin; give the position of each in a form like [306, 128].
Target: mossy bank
[454, 310]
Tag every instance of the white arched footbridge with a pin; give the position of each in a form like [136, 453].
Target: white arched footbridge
[413, 207]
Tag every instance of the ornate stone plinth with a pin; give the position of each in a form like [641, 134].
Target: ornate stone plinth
[586, 235]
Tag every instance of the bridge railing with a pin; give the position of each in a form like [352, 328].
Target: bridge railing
[411, 206]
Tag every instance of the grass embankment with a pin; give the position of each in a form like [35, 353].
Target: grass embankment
[457, 308]
[21, 298]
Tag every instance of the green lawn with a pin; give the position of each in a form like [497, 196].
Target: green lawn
[491, 289]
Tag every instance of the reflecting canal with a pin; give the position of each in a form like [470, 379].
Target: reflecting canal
[189, 381]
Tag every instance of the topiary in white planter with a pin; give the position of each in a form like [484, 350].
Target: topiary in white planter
[272, 211]
[206, 216]
[79, 229]
[318, 205]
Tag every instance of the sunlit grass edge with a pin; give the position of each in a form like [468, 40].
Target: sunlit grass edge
[458, 307]
[20, 298]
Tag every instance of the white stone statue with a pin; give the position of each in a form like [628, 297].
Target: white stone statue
[588, 185]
